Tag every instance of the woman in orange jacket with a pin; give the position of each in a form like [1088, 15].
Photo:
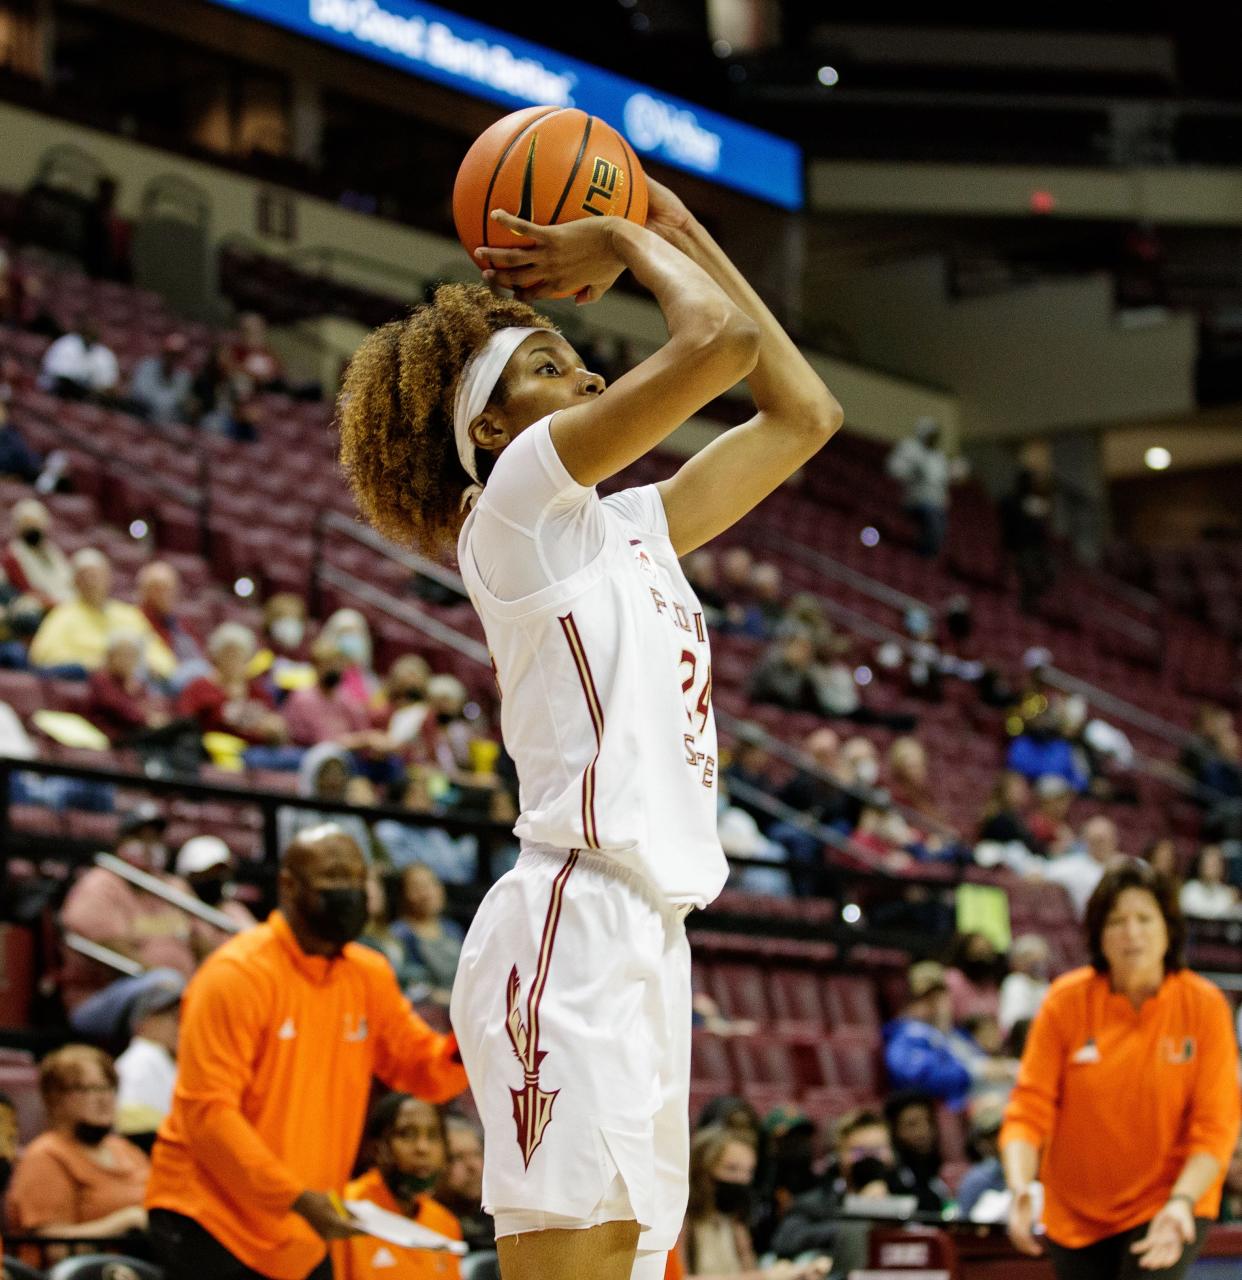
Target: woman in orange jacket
[1127, 1103]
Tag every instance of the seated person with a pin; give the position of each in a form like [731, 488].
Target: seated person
[283, 661]
[159, 591]
[206, 864]
[160, 385]
[79, 366]
[410, 1150]
[322, 712]
[431, 940]
[122, 703]
[79, 1179]
[106, 909]
[453, 858]
[74, 635]
[325, 773]
[33, 562]
[147, 1069]
[227, 700]
[461, 1184]
[911, 1117]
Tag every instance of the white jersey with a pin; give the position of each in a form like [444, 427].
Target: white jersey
[602, 658]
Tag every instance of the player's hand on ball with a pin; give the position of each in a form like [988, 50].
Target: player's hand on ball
[1022, 1224]
[667, 215]
[573, 258]
[1170, 1231]
[325, 1217]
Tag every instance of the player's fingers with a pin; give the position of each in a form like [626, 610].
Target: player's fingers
[494, 256]
[519, 226]
[533, 292]
[520, 278]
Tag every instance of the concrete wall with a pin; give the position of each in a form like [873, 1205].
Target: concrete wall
[1175, 196]
[1047, 355]
[876, 403]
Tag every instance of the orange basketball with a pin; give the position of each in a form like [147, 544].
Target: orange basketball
[548, 165]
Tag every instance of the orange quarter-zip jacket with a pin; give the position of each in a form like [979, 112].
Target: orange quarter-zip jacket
[1118, 1099]
[274, 1068]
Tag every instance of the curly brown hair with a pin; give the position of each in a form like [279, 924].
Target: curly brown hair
[395, 412]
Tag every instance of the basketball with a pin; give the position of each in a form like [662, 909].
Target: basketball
[547, 165]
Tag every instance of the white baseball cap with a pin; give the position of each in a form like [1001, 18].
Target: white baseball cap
[201, 853]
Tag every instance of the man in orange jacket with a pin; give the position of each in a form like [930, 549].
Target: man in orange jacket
[282, 1030]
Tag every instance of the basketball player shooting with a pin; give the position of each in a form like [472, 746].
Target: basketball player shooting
[474, 420]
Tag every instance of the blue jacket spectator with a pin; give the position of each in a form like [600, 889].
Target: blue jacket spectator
[1036, 754]
[921, 1049]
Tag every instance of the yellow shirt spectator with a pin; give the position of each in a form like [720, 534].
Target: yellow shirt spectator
[77, 632]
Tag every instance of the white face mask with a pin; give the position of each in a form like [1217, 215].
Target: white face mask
[288, 632]
[352, 646]
[867, 771]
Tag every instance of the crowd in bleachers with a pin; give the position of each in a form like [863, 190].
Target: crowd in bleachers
[936, 744]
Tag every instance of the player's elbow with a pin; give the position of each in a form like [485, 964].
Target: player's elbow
[727, 343]
[820, 415]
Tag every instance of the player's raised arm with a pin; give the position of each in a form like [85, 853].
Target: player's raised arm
[712, 343]
[797, 414]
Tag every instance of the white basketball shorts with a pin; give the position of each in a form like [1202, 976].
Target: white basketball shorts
[572, 1010]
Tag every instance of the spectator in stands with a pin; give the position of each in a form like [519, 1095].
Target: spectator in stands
[716, 1240]
[702, 575]
[347, 629]
[160, 385]
[1206, 894]
[78, 1180]
[378, 934]
[325, 774]
[404, 709]
[908, 781]
[1041, 751]
[17, 458]
[911, 1116]
[1211, 758]
[737, 566]
[750, 770]
[221, 398]
[924, 471]
[159, 592]
[283, 662]
[147, 1070]
[324, 712]
[973, 978]
[73, 638]
[1161, 855]
[206, 864]
[239, 1161]
[1026, 521]
[108, 910]
[461, 1185]
[1127, 1106]
[432, 942]
[410, 1146]
[78, 366]
[1079, 872]
[451, 732]
[1004, 818]
[1026, 983]
[784, 676]
[252, 355]
[227, 699]
[768, 591]
[922, 1050]
[123, 703]
[986, 1173]
[453, 858]
[1048, 824]
[816, 790]
[33, 562]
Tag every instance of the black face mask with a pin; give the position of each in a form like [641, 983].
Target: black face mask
[335, 915]
[979, 970]
[406, 1186]
[90, 1135]
[210, 891]
[32, 537]
[6, 1172]
[736, 1199]
[863, 1172]
[445, 717]
[329, 679]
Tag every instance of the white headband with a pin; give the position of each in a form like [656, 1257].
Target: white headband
[477, 382]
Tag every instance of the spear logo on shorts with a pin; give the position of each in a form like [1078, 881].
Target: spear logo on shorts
[532, 1106]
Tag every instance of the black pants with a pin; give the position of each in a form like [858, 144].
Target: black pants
[1111, 1259]
[187, 1252]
